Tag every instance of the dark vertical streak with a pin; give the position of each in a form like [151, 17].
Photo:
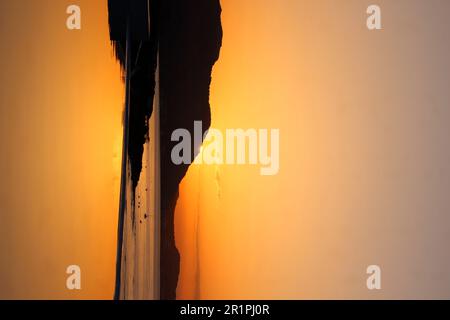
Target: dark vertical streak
[139, 62]
[123, 182]
[190, 41]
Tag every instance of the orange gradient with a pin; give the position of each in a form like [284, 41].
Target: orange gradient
[364, 175]
[61, 104]
[362, 144]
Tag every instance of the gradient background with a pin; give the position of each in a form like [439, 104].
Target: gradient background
[61, 107]
[364, 164]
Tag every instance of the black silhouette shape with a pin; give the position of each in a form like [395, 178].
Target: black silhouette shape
[186, 35]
